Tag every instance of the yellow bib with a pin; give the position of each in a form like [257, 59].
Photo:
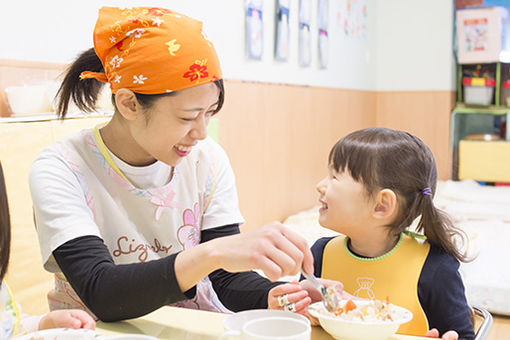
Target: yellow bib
[394, 274]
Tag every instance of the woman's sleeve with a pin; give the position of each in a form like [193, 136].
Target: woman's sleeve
[60, 205]
[442, 295]
[117, 292]
[221, 201]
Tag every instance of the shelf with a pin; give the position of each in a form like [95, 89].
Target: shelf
[495, 110]
[468, 120]
[484, 160]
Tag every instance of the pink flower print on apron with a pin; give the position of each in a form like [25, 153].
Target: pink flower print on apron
[189, 233]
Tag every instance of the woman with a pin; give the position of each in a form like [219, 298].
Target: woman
[132, 215]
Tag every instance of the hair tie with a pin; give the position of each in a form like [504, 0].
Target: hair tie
[427, 191]
[94, 75]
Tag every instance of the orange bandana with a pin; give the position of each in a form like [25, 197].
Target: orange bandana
[152, 50]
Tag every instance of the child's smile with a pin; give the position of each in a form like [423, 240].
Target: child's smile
[344, 205]
[324, 206]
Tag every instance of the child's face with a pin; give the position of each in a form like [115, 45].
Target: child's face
[174, 124]
[345, 204]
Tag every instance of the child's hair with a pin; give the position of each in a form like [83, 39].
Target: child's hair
[84, 92]
[382, 158]
[5, 227]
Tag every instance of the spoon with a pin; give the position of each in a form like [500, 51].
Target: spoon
[329, 297]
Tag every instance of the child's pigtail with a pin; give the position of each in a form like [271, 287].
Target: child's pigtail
[439, 230]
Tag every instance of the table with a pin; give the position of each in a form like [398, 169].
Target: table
[190, 324]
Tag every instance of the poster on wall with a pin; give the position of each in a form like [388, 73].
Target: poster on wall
[282, 40]
[305, 47]
[352, 17]
[481, 34]
[254, 29]
[323, 33]
[476, 34]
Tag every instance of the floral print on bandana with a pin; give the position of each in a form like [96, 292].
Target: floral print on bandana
[173, 47]
[149, 42]
[197, 71]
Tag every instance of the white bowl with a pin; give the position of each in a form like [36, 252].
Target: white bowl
[28, 99]
[343, 329]
[236, 321]
[62, 334]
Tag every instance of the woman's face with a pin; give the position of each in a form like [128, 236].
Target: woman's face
[168, 130]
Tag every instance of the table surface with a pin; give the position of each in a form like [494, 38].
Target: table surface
[181, 323]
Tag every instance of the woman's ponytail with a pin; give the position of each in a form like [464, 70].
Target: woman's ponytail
[83, 92]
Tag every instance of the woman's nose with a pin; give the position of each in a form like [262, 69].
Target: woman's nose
[199, 130]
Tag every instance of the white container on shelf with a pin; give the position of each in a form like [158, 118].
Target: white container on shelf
[28, 99]
[478, 91]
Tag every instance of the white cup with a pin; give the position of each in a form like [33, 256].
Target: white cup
[276, 328]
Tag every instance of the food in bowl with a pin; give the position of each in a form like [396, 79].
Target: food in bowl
[361, 319]
[374, 310]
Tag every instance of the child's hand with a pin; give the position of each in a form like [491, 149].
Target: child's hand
[67, 318]
[450, 335]
[316, 296]
[290, 297]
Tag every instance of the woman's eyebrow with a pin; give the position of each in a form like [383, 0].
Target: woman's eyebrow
[200, 108]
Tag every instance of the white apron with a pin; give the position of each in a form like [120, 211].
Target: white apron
[139, 225]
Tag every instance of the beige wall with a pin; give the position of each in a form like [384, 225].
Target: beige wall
[425, 114]
[278, 138]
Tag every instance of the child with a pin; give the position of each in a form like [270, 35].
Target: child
[380, 180]
[12, 321]
[143, 212]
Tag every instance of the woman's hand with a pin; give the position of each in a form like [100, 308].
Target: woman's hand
[434, 333]
[273, 248]
[67, 318]
[290, 297]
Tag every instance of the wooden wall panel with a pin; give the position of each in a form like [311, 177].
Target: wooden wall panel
[425, 114]
[278, 138]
